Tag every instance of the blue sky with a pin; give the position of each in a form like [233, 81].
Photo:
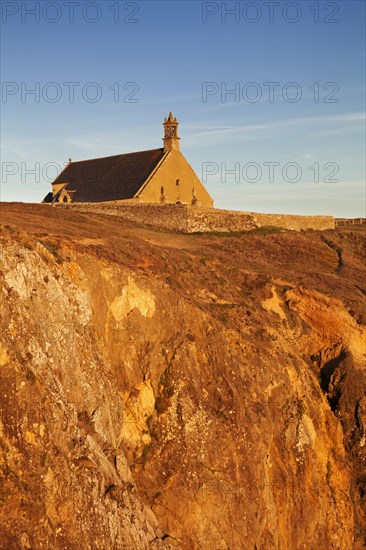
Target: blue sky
[290, 138]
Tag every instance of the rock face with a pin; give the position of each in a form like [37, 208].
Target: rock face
[170, 391]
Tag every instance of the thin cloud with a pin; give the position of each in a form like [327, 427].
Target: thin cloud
[246, 132]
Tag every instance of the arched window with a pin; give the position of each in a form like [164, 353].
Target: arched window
[162, 190]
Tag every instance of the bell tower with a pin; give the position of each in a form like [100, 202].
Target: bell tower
[171, 139]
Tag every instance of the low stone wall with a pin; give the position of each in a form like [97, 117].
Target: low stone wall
[166, 216]
[295, 223]
[222, 221]
[349, 221]
[194, 219]
[206, 219]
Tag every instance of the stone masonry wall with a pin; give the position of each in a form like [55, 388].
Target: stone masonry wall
[295, 223]
[206, 219]
[221, 221]
[350, 221]
[165, 216]
[188, 219]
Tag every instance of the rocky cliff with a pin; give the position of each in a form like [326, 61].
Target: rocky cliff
[179, 391]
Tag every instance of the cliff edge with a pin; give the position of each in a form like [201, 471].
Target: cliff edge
[180, 391]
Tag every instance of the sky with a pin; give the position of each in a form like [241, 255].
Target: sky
[269, 95]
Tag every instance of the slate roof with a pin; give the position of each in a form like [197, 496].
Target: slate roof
[48, 198]
[109, 178]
